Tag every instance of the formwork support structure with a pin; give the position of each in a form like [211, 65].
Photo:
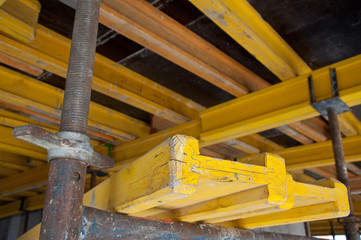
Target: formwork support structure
[69, 153]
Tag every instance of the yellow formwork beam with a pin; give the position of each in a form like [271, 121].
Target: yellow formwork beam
[50, 51]
[30, 179]
[19, 18]
[349, 124]
[10, 144]
[323, 199]
[51, 116]
[174, 176]
[150, 27]
[50, 101]
[30, 203]
[257, 111]
[47, 109]
[248, 205]
[245, 25]
[279, 104]
[174, 182]
[301, 157]
[319, 154]
[319, 228]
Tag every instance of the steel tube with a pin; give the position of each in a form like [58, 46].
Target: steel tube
[97, 224]
[75, 112]
[63, 200]
[350, 225]
[64, 194]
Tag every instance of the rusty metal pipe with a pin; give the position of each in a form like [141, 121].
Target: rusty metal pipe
[350, 225]
[75, 112]
[63, 200]
[100, 225]
[64, 194]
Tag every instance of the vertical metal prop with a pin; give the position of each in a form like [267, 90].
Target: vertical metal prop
[64, 195]
[350, 224]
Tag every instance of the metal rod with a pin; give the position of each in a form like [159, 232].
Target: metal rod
[64, 195]
[350, 224]
[97, 224]
[80, 71]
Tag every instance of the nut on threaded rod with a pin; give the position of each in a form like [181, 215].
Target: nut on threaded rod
[71, 141]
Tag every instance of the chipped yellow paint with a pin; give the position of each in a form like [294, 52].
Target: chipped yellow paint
[210, 189]
[19, 18]
[174, 174]
[172, 181]
[244, 24]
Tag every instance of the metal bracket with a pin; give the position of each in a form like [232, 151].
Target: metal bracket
[334, 102]
[63, 145]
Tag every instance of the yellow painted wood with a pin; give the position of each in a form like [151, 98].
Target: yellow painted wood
[30, 203]
[50, 51]
[349, 124]
[320, 200]
[267, 109]
[30, 179]
[244, 24]
[152, 28]
[319, 228]
[19, 18]
[260, 142]
[173, 176]
[10, 144]
[50, 102]
[261, 110]
[319, 154]
[216, 191]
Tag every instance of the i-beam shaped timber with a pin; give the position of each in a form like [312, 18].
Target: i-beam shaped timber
[301, 157]
[247, 27]
[173, 176]
[267, 109]
[28, 87]
[46, 107]
[50, 52]
[320, 228]
[257, 111]
[158, 32]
